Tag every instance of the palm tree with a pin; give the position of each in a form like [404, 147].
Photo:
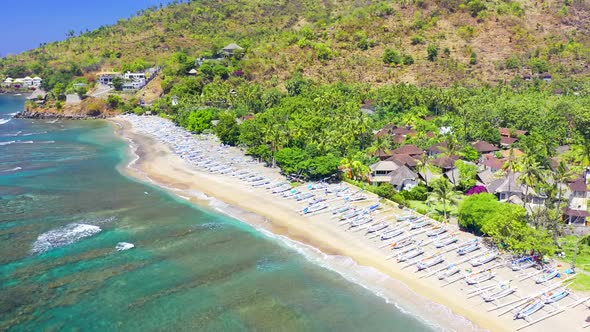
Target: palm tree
[561, 175]
[451, 150]
[531, 174]
[443, 192]
[422, 167]
[510, 167]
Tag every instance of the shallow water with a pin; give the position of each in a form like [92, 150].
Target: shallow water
[63, 209]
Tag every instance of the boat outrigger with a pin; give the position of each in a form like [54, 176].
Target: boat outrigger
[392, 233]
[445, 241]
[479, 277]
[403, 243]
[531, 307]
[469, 247]
[547, 275]
[377, 227]
[451, 270]
[557, 295]
[486, 258]
[504, 289]
[409, 254]
[522, 263]
[429, 262]
[436, 231]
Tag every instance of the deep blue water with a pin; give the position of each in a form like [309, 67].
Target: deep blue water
[63, 208]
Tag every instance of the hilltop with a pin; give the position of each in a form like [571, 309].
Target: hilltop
[472, 42]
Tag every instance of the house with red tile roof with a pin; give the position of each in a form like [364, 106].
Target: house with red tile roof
[484, 147]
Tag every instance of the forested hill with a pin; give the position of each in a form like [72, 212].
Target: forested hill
[422, 42]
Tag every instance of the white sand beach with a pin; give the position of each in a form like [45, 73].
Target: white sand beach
[191, 166]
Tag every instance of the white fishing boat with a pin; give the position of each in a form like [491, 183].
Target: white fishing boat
[314, 208]
[469, 247]
[479, 277]
[239, 173]
[486, 258]
[282, 189]
[350, 215]
[415, 252]
[392, 233]
[554, 296]
[291, 193]
[403, 243]
[259, 183]
[254, 179]
[357, 198]
[429, 262]
[445, 241]
[302, 196]
[316, 200]
[503, 290]
[121, 246]
[547, 275]
[361, 221]
[341, 209]
[420, 224]
[274, 185]
[377, 227]
[451, 270]
[522, 263]
[436, 231]
[531, 307]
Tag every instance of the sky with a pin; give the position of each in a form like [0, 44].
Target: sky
[28, 23]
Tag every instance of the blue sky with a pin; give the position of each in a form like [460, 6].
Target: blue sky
[28, 23]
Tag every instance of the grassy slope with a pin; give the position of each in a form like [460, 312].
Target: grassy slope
[270, 31]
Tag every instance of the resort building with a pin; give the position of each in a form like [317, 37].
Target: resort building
[576, 212]
[106, 78]
[25, 82]
[231, 50]
[509, 188]
[400, 176]
[132, 81]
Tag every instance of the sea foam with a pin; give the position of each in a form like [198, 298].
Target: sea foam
[3, 121]
[63, 236]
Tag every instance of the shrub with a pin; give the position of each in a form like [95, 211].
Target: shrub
[473, 58]
[407, 59]
[114, 101]
[432, 52]
[418, 40]
[513, 62]
[539, 66]
[391, 56]
[418, 193]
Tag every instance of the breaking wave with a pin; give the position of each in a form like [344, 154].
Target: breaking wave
[7, 143]
[12, 169]
[3, 121]
[63, 236]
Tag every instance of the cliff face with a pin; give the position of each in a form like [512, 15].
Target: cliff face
[87, 109]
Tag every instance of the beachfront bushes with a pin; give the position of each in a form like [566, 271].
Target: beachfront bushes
[418, 193]
[505, 223]
[227, 128]
[198, 121]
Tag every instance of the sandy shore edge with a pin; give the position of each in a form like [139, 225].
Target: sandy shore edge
[156, 163]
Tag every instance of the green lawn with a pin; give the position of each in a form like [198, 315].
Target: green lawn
[437, 210]
[581, 282]
[568, 244]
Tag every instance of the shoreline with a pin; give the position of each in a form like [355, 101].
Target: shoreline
[159, 165]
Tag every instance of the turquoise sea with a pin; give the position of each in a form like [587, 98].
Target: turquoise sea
[64, 206]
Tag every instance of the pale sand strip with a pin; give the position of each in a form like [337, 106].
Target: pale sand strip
[159, 164]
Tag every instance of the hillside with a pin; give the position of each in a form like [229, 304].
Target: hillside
[340, 40]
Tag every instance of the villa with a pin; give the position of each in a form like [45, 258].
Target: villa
[25, 82]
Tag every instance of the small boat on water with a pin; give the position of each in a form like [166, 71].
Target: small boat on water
[429, 262]
[522, 263]
[451, 270]
[314, 208]
[479, 277]
[436, 231]
[445, 241]
[392, 233]
[547, 275]
[486, 258]
[412, 253]
[469, 247]
[403, 243]
[121, 246]
[530, 307]
[503, 290]
[554, 296]
[377, 227]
